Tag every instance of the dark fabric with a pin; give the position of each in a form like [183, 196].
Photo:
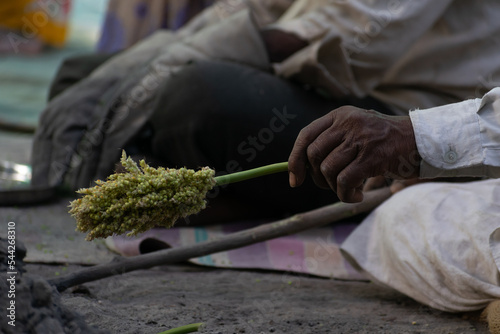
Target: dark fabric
[75, 69]
[79, 138]
[226, 116]
[231, 117]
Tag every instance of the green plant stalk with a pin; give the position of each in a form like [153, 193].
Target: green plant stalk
[146, 197]
[184, 329]
[251, 173]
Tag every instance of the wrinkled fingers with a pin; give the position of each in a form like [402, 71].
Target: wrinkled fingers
[298, 159]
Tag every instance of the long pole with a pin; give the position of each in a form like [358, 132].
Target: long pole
[294, 224]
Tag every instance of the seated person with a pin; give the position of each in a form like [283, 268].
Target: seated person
[437, 243]
[232, 89]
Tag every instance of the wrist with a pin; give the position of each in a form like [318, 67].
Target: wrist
[409, 159]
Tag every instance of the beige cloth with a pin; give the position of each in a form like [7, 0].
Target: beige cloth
[438, 243]
[408, 54]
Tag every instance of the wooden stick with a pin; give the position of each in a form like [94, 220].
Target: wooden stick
[299, 222]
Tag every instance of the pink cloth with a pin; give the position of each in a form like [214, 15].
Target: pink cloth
[315, 252]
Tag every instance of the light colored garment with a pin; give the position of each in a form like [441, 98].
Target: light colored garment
[461, 139]
[438, 243]
[408, 54]
[131, 21]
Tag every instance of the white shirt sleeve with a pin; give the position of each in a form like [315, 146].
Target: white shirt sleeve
[461, 139]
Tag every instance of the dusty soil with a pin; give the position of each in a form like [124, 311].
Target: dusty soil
[230, 301]
[227, 301]
[30, 304]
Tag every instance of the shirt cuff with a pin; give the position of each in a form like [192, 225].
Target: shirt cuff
[449, 140]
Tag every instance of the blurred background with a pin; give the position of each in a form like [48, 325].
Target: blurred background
[30, 56]
[36, 36]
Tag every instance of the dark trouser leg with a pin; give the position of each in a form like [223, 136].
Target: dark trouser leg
[75, 69]
[231, 117]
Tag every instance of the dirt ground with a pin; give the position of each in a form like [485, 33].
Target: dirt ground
[227, 301]
[238, 301]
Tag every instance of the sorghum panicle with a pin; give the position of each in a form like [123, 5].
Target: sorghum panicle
[140, 199]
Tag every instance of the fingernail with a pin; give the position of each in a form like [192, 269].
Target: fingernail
[292, 179]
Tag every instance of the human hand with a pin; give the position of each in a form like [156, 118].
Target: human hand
[349, 145]
[280, 44]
